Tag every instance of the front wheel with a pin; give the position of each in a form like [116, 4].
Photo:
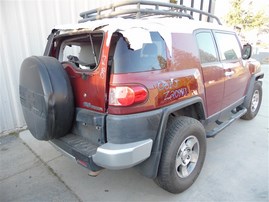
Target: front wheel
[183, 154]
[254, 103]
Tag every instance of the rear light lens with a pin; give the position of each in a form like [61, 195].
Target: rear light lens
[127, 95]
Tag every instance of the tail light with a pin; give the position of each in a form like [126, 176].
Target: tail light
[127, 95]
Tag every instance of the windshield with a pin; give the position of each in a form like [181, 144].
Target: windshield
[152, 56]
[84, 50]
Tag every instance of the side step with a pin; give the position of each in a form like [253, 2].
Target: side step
[222, 125]
[77, 147]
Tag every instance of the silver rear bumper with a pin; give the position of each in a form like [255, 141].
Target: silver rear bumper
[120, 156]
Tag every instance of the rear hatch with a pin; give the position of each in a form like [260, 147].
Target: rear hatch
[84, 58]
[83, 55]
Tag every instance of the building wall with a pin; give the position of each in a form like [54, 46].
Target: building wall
[24, 27]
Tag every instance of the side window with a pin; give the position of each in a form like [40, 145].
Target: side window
[207, 48]
[228, 46]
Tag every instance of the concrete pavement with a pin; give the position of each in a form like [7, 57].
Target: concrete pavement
[24, 177]
[235, 169]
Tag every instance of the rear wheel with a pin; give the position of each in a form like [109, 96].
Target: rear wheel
[183, 154]
[254, 103]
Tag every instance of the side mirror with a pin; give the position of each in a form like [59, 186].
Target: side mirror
[246, 51]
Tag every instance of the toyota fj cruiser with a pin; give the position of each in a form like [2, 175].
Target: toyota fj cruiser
[140, 87]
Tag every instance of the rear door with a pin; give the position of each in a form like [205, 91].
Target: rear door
[236, 75]
[213, 72]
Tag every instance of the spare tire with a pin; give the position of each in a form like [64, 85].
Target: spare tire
[46, 97]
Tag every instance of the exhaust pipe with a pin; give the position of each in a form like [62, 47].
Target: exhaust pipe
[94, 173]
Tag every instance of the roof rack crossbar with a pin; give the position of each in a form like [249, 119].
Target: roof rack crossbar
[141, 9]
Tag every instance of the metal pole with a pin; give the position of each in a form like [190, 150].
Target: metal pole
[201, 8]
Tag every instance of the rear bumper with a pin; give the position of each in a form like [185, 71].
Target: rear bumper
[125, 141]
[120, 156]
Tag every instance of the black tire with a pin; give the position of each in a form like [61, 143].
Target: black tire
[182, 132]
[254, 102]
[46, 97]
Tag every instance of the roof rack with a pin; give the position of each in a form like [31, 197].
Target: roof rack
[141, 9]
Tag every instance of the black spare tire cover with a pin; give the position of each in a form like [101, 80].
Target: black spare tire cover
[46, 97]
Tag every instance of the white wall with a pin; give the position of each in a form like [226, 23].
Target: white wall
[24, 27]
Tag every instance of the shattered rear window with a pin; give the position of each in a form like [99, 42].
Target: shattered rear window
[84, 50]
[152, 56]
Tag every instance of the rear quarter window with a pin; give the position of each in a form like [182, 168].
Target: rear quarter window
[207, 49]
[152, 56]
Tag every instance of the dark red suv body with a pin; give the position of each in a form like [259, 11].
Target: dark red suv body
[118, 93]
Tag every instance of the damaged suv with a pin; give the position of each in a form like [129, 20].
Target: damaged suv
[141, 90]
